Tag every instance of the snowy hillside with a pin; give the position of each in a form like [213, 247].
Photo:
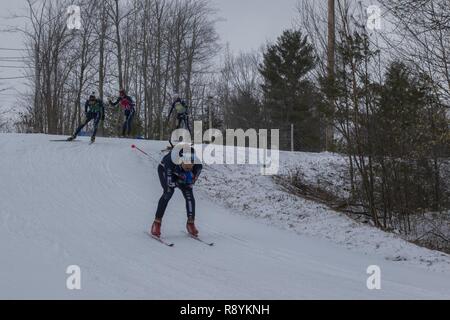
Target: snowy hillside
[251, 194]
[88, 205]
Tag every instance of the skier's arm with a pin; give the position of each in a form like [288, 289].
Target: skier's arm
[86, 106]
[115, 103]
[169, 177]
[133, 104]
[197, 171]
[102, 108]
[169, 167]
[171, 110]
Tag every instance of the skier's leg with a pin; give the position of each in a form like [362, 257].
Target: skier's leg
[190, 209]
[130, 121]
[190, 202]
[96, 123]
[124, 127]
[186, 119]
[167, 195]
[127, 122]
[162, 177]
[163, 203]
[88, 119]
[181, 124]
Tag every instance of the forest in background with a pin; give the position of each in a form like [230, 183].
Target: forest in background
[380, 96]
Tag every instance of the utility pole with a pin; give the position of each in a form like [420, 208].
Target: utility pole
[210, 122]
[101, 69]
[329, 131]
[292, 138]
[210, 105]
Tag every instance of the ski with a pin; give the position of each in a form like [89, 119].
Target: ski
[162, 241]
[65, 140]
[169, 244]
[210, 244]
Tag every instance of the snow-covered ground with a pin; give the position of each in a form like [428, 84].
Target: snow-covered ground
[261, 197]
[74, 204]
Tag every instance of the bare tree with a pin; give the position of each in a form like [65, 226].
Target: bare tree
[47, 43]
[238, 91]
[150, 48]
[86, 50]
[420, 34]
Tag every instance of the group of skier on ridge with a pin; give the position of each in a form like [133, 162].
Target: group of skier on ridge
[94, 109]
[180, 170]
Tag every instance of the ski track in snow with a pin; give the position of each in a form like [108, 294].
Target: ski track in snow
[73, 204]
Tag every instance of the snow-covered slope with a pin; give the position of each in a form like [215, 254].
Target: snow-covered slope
[247, 192]
[75, 204]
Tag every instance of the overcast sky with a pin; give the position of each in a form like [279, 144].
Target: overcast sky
[245, 25]
[250, 23]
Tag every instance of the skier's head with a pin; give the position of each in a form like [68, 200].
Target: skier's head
[122, 93]
[92, 98]
[184, 155]
[176, 97]
[187, 162]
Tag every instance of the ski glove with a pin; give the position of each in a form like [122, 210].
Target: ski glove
[189, 178]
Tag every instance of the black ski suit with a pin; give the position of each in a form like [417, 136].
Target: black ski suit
[181, 108]
[94, 111]
[128, 106]
[172, 176]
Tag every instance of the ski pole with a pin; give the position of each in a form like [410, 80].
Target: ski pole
[143, 152]
[134, 147]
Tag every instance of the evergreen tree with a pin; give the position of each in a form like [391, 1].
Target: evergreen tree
[244, 111]
[400, 116]
[411, 129]
[289, 96]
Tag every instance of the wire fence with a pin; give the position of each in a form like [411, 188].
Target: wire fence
[293, 137]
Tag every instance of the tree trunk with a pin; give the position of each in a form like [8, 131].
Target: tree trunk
[101, 69]
[119, 46]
